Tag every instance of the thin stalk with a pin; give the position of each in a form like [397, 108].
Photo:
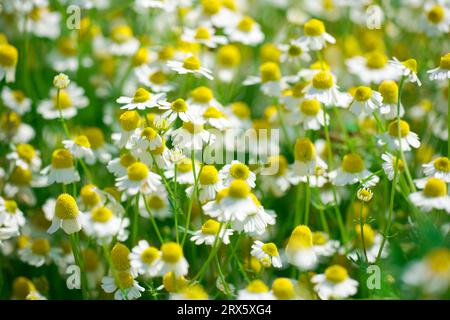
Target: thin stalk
[79, 262]
[361, 226]
[153, 222]
[307, 200]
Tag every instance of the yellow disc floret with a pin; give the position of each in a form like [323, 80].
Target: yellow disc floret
[129, 120]
[352, 163]
[257, 286]
[310, 107]
[211, 227]
[149, 255]
[40, 247]
[119, 257]
[314, 28]
[8, 55]
[336, 274]
[66, 207]
[202, 94]
[141, 95]
[239, 189]
[435, 187]
[209, 175]
[304, 150]
[270, 71]
[239, 171]
[393, 128]
[283, 289]
[138, 171]
[389, 91]
[101, 214]
[322, 80]
[270, 248]
[171, 252]
[191, 63]
[362, 94]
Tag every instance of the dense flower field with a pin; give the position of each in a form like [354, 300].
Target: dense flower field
[224, 149]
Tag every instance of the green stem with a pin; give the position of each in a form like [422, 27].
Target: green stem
[79, 261]
[214, 248]
[361, 226]
[307, 200]
[222, 278]
[66, 129]
[134, 229]
[448, 119]
[153, 222]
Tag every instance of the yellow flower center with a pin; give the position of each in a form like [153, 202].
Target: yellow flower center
[336, 274]
[158, 77]
[213, 112]
[10, 121]
[66, 207]
[40, 247]
[389, 91]
[246, 24]
[294, 50]
[171, 252]
[229, 55]
[67, 47]
[239, 189]
[211, 227]
[411, 64]
[270, 53]
[241, 110]
[439, 260]
[124, 280]
[88, 195]
[166, 53]
[283, 289]
[121, 33]
[192, 127]
[195, 292]
[11, 206]
[310, 107]
[442, 164]
[445, 62]
[91, 260]
[352, 163]
[304, 150]
[95, 136]
[239, 171]
[191, 63]
[172, 283]
[270, 72]
[376, 60]
[435, 188]
[202, 33]
[129, 120]
[314, 28]
[82, 141]
[179, 105]
[8, 55]
[119, 257]
[257, 286]
[62, 159]
[270, 248]
[202, 95]
[149, 255]
[362, 94]
[155, 202]
[18, 95]
[127, 160]
[149, 133]
[436, 14]
[322, 80]
[319, 238]
[209, 175]
[141, 95]
[25, 151]
[369, 235]
[301, 238]
[211, 7]
[393, 128]
[21, 177]
[278, 163]
[140, 57]
[185, 165]
[22, 287]
[137, 171]
[101, 214]
[65, 101]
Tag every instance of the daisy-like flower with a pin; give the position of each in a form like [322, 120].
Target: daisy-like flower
[192, 136]
[10, 214]
[66, 215]
[201, 98]
[122, 42]
[124, 286]
[237, 170]
[255, 290]
[353, 171]
[266, 253]
[306, 159]
[443, 71]
[277, 177]
[431, 273]
[436, 19]
[154, 78]
[192, 292]
[158, 204]
[335, 283]
[310, 115]
[209, 184]
[294, 52]
[62, 168]
[209, 231]
[372, 68]
[256, 222]
[145, 139]
[80, 147]
[42, 22]
[179, 108]
[372, 243]
[389, 164]
[8, 62]
[433, 196]
[102, 150]
[408, 138]
[323, 246]
[438, 168]
[389, 93]
[204, 34]
[67, 103]
[191, 64]
[38, 253]
[246, 31]
[119, 166]
[299, 250]
[365, 101]
[172, 260]
[270, 78]
[129, 122]
[16, 100]
[143, 259]
[92, 197]
[166, 5]
[324, 90]
[138, 179]
[25, 156]
[12, 128]
[185, 171]
[315, 36]
[407, 68]
[284, 289]
[228, 60]
[143, 99]
[216, 118]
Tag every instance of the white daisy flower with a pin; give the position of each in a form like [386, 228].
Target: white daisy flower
[255, 290]
[15, 100]
[438, 168]
[324, 90]
[154, 78]
[306, 160]
[255, 223]
[192, 136]
[165, 5]
[121, 43]
[42, 23]
[38, 253]
[272, 83]
[191, 64]
[13, 130]
[323, 246]
[372, 244]
[157, 203]
[204, 34]
[119, 166]
[144, 258]
[124, 286]
[209, 184]
[179, 108]
[365, 101]
[172, 260]
[266, 253]
[436, 18]
[277, 177]
[66, 215]
[389, 164]
[372, 68]
[62, 168]
[353, 171]
[300, 251]
[8, 62]
[442, 72]
[236, 170]
[216, 118]
[209, 232]
[245, 31]
[80, 148]
[433, 196]
[10, 214]
[315, 36]
[310, 115]
[335, 283]
[145, 139]
[389, 93]
[407, 68]
[408, 138]
[129, 122]
[142, 100]
[294, 52]
[25, 156]
[138, 179]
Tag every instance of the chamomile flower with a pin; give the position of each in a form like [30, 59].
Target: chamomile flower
[25, 156]
[407, 68]
[255, 222]
[121, 43]
[294, 52]
[255, 290]
[42, 22]
[190, 65]
[443, 71]
[277, 177]
[246, 31]
[172, 260]
[144, 258]
[372, 243]
[153, 77]
[129, 122]
[138, 179]
[91, 197]
[431, 273]
[284, 289]
[66, 215]
[220, 14]
[436, 18]
[205, 35]
[15, 100]
[201, 98]
[209, 183]
[62, 168]
[13, 129]
[310, 115]
[324, 90]
[408, 138]
[299, 250]
[266, 253]
[365, 101]
[372, 68]
[192, 136]
[390, 163]
[80, 147]
[124, 286]
[389, 93]
[179, 109]
[209, 231]
[324, 246]
[438, 168]
[228, 60]
[10, 214]
[353, 170]
[216, 118]
[335, 283]
[38, 253]
[237, 170]
[433, 196]
[119, 166]
[306, 159]
[192, 292]
[142, 99]
[315, 36]
[165, 5]
[270, 78]
[145, 139]
[8, 62]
